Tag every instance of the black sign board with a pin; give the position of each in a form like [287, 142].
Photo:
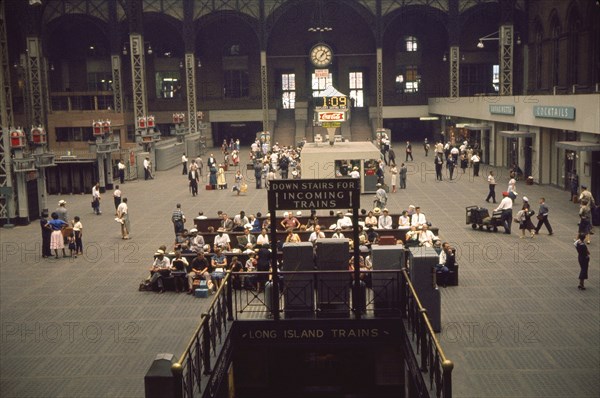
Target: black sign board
[305, 194]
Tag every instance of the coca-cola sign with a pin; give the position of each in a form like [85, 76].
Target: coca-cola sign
[332, 116]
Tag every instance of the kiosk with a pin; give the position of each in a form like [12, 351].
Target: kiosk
[337, 161]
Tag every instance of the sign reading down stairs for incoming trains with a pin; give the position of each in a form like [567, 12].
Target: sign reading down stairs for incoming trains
[339, 193]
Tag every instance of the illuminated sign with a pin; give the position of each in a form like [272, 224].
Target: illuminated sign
[554, 112]
[331, 116]
[337, 102]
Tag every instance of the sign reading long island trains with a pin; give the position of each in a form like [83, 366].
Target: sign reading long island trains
[340, 193]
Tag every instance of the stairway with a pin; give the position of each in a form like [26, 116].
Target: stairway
[360, 128]
[285, 127]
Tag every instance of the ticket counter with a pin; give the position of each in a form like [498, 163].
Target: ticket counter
[322, 160]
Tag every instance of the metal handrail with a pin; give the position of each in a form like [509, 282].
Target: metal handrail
[433, 359]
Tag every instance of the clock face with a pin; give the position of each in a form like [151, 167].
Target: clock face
[321, 55]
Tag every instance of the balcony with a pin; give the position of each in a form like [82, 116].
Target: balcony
[81, 101]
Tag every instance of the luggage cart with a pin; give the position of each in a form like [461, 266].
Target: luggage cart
[479, 218]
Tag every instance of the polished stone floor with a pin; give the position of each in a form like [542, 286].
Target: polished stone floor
[517, 326]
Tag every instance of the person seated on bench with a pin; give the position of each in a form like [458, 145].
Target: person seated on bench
[222, 241]
[372, 236]
[254, 222]
[385, 220]
[239, 221]
[344, 221]
[178, 270]
[338, 234]
[371, 220]
[226, 222]
[236, 266]
[200, 268]
[247, 241]
[290, 221]
[219, 265]
[446, 261]
[263, 238]
[160, 267]
[292, 237]
[196, 241]
[426, 237]
[404, 220]
[317, 234]
[418, 219]
[412, 237]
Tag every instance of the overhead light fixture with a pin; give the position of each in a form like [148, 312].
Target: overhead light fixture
[124, 49]
[462, 57]
[199, 64]
[181, 64]
[52, 67]
[480, 44]
[518, 39]
[150, 49]
[497, 38]
[318, 21]
[445, 57]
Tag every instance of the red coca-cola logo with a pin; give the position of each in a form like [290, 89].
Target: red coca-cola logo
[331, 116]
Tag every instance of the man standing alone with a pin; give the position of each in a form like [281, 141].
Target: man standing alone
[408, 151]
[492, 186]
[184, 161]
[403, 171]
[543, 217]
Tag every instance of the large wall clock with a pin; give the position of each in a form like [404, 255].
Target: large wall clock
[321, 55]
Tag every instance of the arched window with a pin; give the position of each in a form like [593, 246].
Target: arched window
[555, 32]
[539, 37]
[411, 44]
[574, 23]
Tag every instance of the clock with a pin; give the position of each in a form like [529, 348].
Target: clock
[321, 55]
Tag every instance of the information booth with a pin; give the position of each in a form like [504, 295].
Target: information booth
[322, 160]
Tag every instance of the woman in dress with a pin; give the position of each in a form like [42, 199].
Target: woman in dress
[56, 239]
[583, 255]
[221, 182]
[237, 186]
[212, 180]
[524, 217]
[585, 218]
[46, 234]
[394, 173]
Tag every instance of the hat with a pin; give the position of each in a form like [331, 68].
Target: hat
[348, 214]
[193, 231]
[525, 199]
[62, 202]
[411, 206]
[159, 252]
[377, 211]
[386, 210]
[355, 168]
[378, 185]
[504, 193]
[221, 229]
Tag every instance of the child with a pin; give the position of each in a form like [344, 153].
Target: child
[71, 242]
[78, 231]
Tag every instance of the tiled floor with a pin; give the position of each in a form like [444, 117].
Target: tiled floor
[515, 327]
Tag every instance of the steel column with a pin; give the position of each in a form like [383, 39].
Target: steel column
[506, 48]
[117, 86]
[264, 88]
[379, 88]
[6, 112]
[35, 76]
[190, 81]
[454, 71]
[138, 76]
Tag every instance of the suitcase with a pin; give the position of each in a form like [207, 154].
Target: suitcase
[269, 295]
[201, 293]
[209, 187]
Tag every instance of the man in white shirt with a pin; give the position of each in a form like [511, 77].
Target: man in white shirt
[317, 234]
[475, 160]
[418, 219]
[161, 263]
[239, 221]
[121, 167]
[222, 241]
[338, 234]
[123, 216]
[147, 171]
[492, 187]
[184, 161]
[344, 222]
[117, 197]
[426, 237]
[505, 206]
[263, 238]
[354, 173]
[197, 241]
[385, 220]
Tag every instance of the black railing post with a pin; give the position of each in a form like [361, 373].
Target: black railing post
[447, 367]
[206, 343]
[357, 300]
[422, 330]
[177, 371]
[403, 294]
[274, 269]
[230, 299]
